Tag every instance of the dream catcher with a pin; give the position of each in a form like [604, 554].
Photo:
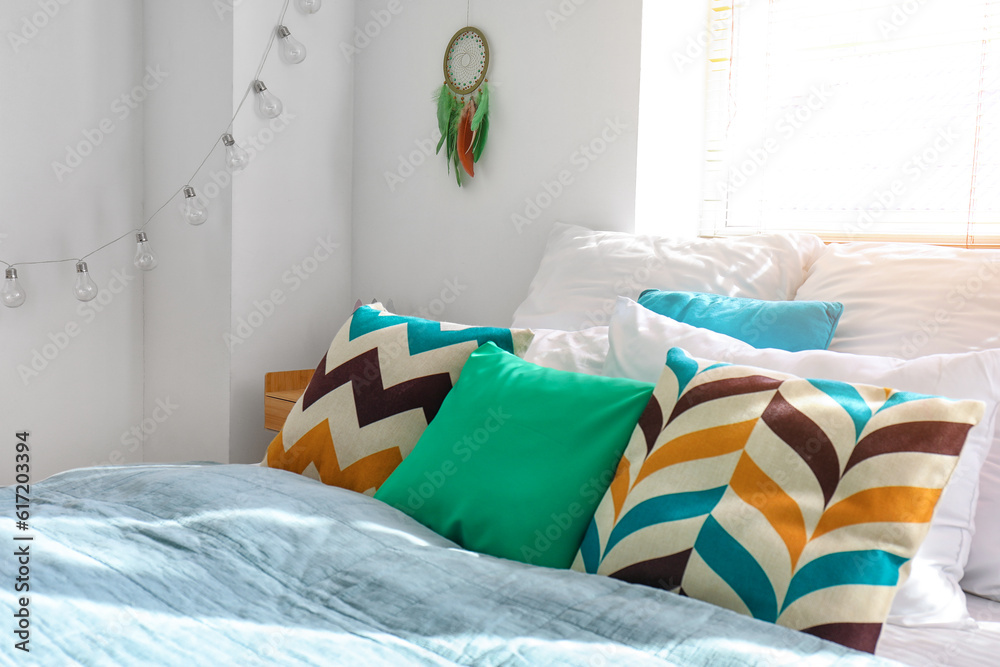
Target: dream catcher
[463, 113]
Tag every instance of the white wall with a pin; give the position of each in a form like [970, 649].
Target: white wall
[290, 293]
[187, 296]
[560, 78]
[60, 80]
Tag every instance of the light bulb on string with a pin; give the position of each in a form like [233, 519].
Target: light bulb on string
[268, 105]
[237, 158]
[12, 294]
[144, 259]
[192, 210]
[308, 6]
[292, 50]
[85, 288]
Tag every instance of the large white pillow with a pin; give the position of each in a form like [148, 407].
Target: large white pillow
[639, 340]
[908, 300]
[582, 271]
[576, 351]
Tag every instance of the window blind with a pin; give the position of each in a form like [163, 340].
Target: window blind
[855, 119]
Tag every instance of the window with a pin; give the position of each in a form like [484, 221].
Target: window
[854, 119]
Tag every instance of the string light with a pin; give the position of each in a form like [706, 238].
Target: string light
[292, 51]
[309, 6]
[144, 259]
[191, 208]
[268, 105]
[85, 288]
[237, 158]
[12, 294]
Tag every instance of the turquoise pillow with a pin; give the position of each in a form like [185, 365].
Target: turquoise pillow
[518, 457]
[784, 325]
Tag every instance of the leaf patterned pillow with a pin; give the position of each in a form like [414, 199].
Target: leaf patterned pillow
[799, 502]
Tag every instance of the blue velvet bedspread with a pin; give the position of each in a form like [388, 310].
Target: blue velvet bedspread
[242, 565]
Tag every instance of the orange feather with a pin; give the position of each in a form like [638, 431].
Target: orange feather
[465, 137]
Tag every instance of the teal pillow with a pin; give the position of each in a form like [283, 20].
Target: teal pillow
[518, 457]
[784, 325]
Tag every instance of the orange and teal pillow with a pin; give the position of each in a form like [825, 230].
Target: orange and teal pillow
[795, 501]
[381, 382]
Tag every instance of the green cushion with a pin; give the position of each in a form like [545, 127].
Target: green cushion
[518, 458]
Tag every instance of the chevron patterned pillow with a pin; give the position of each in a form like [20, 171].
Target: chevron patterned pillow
[799, 502]
[379, 385]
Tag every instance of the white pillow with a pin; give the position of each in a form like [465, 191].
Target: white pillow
[982, 572]
[907, 300]
[639, 340]
[576, 351]
[582, 271]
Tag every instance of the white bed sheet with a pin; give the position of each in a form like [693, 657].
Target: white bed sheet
[944, 647]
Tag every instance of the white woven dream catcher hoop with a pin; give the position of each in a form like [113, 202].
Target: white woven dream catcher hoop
[466, 60]
[463, 115]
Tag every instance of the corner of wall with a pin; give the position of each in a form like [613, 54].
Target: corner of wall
[292, 208]
[186, 299]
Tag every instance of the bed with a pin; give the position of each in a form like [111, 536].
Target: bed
[293, 562]
[947, 646]
[243, 565]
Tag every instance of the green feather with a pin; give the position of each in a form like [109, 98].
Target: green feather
[480, 142]
[443, 108]
[449, 112]
[452, 144]
[482, 106]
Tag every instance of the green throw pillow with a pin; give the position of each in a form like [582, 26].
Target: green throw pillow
[518, 458]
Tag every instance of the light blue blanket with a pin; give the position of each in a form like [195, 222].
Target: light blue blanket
[241, 565]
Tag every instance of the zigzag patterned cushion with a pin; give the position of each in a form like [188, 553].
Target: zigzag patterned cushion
[373, 394]
[799, 502]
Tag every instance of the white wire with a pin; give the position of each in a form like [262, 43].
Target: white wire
[229, 125]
